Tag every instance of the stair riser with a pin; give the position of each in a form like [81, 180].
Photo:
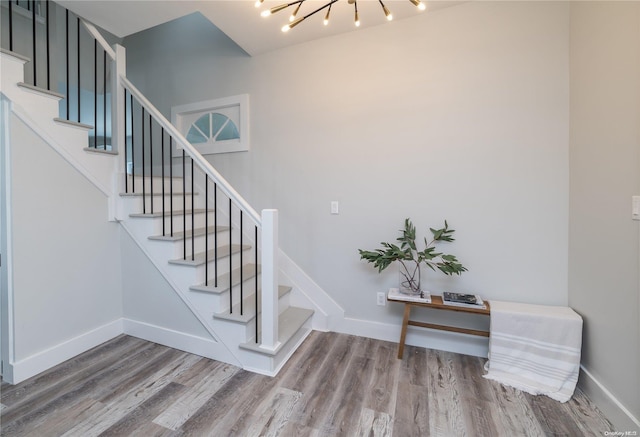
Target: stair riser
[199, 221]
[248, 293]
[157, 182]
[255, 362]
[133, 204]
[223, 267]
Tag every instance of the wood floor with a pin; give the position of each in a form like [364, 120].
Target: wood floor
[334, 385]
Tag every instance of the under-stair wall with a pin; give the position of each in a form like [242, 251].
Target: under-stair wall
[64, 262]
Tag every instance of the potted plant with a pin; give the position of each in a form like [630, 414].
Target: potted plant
[410, 258]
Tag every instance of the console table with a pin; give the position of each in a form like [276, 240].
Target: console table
[436, 303]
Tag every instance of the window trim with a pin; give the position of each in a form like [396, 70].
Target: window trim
[179, 112]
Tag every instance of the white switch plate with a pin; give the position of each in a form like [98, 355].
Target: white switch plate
[335, 207]
[635, 207]
[381, 299]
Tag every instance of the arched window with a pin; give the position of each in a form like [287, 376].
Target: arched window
[214, 126]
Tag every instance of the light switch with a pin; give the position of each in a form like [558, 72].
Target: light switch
[335, 207]
[635, 207]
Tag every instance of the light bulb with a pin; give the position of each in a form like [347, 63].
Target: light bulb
[293, 16]
[259, 3]
[387, 13]
[265, 13]
[357, 19]
[286, 28]
[419, 4]
[326, 17]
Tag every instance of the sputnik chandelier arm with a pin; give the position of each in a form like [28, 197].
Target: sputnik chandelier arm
[293, 21]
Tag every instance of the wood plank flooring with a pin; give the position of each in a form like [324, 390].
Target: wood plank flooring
[334, 385]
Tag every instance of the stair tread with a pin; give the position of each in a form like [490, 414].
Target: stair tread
[15, 55]
[167, 213]
[248, 308]
[197, 232]
[199, 258]
[289, 322]
[72, 123]
[248, 272]
[43, 91]
[100, 151]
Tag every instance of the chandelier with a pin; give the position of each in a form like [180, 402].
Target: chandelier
[294, 20]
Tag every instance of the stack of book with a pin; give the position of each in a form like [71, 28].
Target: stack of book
[463, 300]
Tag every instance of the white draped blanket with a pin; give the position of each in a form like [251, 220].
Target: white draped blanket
[535, 348]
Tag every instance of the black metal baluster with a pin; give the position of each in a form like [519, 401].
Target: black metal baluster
[126, 178]
[162, 163]
[67, 54]
[144, 185]
[256, 281]
[10, 26]
[48, 48]
[171, 183]
[230, 261]
[184, 207]
[78, 61]
[193, 230]
[151, 159]
[215, 235]
[33, 27]
[133, 151]
[104, 99]
[206, 227]
[241, 268]
[95, 93]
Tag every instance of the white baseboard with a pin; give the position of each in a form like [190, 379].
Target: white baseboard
[621, 418]
[26, 368]
[205, 347]
[427, 338]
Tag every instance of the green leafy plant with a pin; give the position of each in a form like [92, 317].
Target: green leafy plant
[410, 258]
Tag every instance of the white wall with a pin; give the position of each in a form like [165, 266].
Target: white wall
[460, 115]
[66, 256]
[604, 252]
[148, 298]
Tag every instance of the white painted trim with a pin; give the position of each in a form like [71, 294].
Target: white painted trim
[621, 418]
[303, 283]
[6, 244]
[204, 347]
[269, 278]
[41, 361]
[283, 361]
[229, 146]
[98, 36]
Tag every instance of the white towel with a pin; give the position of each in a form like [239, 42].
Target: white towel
[535, 348]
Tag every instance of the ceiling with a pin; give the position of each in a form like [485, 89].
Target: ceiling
[241, 21]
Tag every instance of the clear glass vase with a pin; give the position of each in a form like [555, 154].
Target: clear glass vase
[410, 280]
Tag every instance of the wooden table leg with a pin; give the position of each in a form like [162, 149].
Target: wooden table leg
[403, 333]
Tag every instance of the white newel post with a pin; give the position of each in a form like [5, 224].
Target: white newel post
[118, 127]
[269, 246]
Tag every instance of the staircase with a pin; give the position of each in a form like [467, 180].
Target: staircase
[219, 255]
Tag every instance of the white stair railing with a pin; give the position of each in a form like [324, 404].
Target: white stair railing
[268, 221]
